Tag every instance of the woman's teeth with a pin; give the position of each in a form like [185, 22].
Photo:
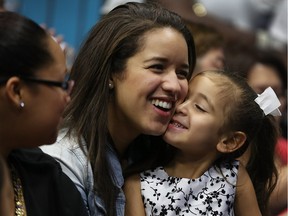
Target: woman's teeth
[162, 104]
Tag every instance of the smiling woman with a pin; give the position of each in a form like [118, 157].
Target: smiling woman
[130, 74]
[32, 68]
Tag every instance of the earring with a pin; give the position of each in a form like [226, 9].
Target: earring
[111, 86]
[22, 104]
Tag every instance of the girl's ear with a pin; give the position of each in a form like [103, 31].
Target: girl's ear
[13, 90]
[232, 142]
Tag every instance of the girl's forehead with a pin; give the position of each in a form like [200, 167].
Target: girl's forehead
[213, 85]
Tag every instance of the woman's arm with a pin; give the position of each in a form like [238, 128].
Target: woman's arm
[134, 203]
[245, 201]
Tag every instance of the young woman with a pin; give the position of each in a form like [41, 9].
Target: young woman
[130, 74]
[33, 94]
[200, 174]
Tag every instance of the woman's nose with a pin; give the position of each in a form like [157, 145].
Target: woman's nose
[171, 83]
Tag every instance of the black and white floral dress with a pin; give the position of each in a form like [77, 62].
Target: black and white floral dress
[211, 194]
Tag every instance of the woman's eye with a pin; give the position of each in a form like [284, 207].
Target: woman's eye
[183, 74]
[199, 108]
[157, 67]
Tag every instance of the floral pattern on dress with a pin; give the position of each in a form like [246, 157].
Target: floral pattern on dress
[213, 193]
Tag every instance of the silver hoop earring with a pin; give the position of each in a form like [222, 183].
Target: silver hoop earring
[111, 86]
[22, 104]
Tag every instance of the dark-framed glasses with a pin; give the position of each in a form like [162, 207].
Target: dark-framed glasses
[66, 85]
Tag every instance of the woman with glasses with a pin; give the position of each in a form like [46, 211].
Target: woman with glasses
[130, 74]
[34, 90]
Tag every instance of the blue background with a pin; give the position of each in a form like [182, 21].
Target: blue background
[70, 18]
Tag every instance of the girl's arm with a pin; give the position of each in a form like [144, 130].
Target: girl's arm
[245, 201]
[134, 204]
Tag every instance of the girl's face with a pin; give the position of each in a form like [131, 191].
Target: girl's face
[44, 104]
[151, 86]
[194, 128]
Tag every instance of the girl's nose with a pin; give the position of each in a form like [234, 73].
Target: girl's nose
[182, 108]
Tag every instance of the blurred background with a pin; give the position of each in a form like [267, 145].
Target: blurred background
[70, 19]
[261, 22]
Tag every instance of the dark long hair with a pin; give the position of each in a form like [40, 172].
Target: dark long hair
[110, 43]
[23, 46]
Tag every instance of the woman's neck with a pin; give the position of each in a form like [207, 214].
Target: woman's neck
[121, 133]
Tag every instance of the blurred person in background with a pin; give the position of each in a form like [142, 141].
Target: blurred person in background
[259, 23]
[209, 45]
[266, 19]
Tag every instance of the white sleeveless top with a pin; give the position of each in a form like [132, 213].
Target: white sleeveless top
[211, 194]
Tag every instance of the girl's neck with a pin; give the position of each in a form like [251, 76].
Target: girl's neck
[191, 169]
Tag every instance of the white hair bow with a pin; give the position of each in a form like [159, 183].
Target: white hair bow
[269, 102]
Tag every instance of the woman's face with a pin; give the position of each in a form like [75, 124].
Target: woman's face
[153, 83]
[44, 104]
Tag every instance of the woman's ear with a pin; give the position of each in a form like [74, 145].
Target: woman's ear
[13, 90]
[232, 142]
[111, 83]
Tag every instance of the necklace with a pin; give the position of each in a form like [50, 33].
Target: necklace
[20, 209]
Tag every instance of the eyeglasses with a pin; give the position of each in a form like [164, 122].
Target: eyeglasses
[66, 85]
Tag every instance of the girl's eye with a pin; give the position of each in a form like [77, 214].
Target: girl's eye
[199, 108]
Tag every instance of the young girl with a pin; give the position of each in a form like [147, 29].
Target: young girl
[208, 132]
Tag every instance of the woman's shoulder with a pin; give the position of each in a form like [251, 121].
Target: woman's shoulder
[64, 140]
[33, 156]
[66, 148]
[30, 164]
[72, 158]
[41, 174]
